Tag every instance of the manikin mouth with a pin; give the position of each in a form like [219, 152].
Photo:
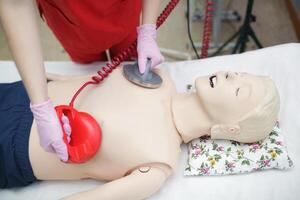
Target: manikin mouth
[213, 80]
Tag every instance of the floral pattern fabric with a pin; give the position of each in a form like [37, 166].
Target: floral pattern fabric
[220, 157]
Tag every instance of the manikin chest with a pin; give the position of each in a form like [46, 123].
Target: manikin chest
[136, 123]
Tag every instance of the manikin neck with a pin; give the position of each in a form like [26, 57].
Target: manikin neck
[189, 116]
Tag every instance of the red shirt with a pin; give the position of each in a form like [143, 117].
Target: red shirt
[90, 26]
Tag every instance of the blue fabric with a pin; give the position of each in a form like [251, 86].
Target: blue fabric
[15, 124]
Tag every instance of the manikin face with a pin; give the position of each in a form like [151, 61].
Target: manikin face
[228, 96]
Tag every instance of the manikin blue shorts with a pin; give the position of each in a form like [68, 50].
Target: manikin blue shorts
[15, 124]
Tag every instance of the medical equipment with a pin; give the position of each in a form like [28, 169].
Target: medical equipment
[84, 126]
[243, 33]
[86, 134]
[87, 130]
[148, 79]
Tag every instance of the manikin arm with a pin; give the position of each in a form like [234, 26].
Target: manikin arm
[135, 186]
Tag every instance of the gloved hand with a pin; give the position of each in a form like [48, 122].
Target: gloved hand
[147, 47]
[49, 129]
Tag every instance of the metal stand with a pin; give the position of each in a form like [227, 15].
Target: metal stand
[243, 33]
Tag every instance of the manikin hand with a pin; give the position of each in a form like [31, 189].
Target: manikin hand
[49, 129]
[147, 47]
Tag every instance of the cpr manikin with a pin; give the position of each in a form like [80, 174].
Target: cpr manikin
[143, 128]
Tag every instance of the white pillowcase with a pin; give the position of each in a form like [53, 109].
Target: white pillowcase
[220, 157]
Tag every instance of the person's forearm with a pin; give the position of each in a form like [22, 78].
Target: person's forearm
[18, 19]
[150, 11]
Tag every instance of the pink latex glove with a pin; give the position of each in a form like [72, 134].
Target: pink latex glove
[49, 129]
[147, 47]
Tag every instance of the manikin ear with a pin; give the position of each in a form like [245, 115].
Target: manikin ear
[225, 129]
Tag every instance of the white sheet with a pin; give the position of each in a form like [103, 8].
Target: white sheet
[281, 62]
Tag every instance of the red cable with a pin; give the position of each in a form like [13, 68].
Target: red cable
[207, 28]
[106, 70]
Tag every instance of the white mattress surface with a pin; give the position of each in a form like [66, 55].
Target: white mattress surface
[281, 62]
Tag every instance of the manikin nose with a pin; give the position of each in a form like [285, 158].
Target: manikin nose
[232, 75]
[225, 75]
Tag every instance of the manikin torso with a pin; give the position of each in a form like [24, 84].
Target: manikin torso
[137, 127]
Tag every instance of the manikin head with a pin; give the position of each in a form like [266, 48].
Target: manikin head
[234, 106]
[242, 107]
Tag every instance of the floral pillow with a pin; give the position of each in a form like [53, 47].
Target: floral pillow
[220, 157]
